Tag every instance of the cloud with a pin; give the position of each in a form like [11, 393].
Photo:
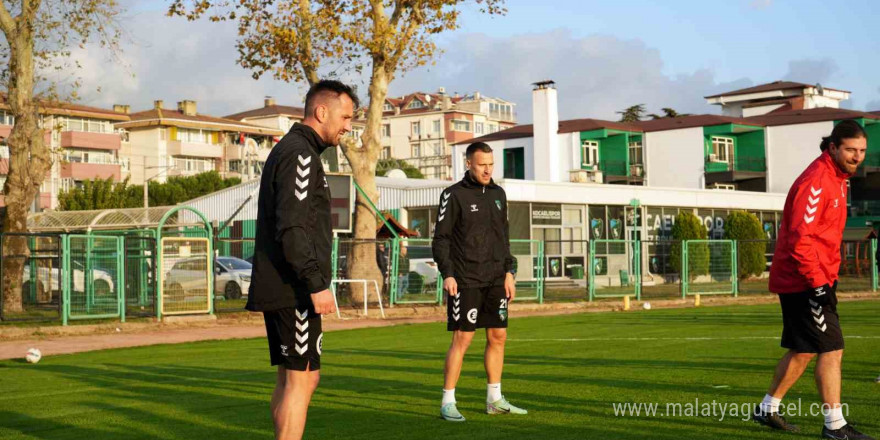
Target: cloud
[760, 4]
[173, 59]
[811, 71]
[595, 75]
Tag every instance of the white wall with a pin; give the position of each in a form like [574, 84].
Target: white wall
[790, 148]
[498, 147]
[674, 158]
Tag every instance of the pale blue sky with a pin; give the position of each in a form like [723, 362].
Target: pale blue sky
[604, 55]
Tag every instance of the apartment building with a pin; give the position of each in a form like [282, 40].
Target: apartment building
[84, 143]
[164, 142]
[421, 127]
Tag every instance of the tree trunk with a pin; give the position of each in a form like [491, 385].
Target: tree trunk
[29, 162]
[362, 263]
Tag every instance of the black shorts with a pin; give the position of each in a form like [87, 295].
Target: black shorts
[480, 307]
[808, 327]
[295, 338]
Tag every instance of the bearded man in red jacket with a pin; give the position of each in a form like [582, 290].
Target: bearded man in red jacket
[804, 275]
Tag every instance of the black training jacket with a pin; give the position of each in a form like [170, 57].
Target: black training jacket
[471, 238]
[294, 233]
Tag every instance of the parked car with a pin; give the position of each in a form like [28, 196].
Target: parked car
[49, 279]
[232, 277]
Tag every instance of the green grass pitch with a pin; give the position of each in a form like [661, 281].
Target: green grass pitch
[386, 383]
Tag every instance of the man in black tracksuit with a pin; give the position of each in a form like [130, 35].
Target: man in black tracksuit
[472, 249]
[291, 274]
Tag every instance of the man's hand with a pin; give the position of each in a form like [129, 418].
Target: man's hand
[323, 302]
[822, 294]
[510, 286]
[450, 286]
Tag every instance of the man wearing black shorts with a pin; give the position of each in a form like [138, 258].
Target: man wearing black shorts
[472, 249]
[291, 274]
[804, 274]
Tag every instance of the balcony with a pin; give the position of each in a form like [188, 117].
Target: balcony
[97, 141]
[503, 116]
[5, 130]
[748, 172]
[82, 171]
[194, 149]
[616, 171]
[45, 200]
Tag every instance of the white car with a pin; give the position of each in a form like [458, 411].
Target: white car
[50, 277]
[232, 277]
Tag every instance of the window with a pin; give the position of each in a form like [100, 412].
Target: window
[460, 125]
[86, 125]
[6, 118]
[416, 103]
[514, 163]
[387, 107]
[89, 156]
[722, 149]
[123, 134]
[163, 134]
[589, 154]
[635, 153]
[415, 128]
[386, 153]
[386, 130]
[194, 135]
[416, 150]
[478, 128]
[436, 126]
[435, 149]
[493, 128]
[192, 165]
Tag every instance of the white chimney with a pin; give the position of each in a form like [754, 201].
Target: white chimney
[545, 123]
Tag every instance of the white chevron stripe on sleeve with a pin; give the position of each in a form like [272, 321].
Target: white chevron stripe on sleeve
[305, 160]
[815, 191]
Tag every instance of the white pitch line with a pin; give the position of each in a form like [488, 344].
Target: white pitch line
[666, 339]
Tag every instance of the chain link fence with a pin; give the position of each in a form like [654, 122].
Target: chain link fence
[140, 276]
[565, 266]
[660, 277]
[413, 274]
[186, 274]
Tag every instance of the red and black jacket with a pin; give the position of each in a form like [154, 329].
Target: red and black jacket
[808, 248]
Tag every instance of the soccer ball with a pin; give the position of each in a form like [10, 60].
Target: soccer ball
[33, 355]
[646, 306]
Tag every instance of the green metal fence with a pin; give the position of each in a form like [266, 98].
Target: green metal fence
[875, 265]
[140, 275]
[93, 277]
[414, 277]
[615, 269]
[30, 277]
[528, 257]
[709, 267]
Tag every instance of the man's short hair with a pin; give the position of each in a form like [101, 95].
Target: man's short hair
[328, 87]
[477, 146]
[846, 129]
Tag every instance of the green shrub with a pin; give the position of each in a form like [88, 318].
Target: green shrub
[689, 227]
[744, 227]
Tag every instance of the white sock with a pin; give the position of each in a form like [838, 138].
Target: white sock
[448, 397]
[834, 418]
[493, 392]
[770, 404]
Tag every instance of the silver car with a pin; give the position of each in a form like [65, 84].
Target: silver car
[232, 277]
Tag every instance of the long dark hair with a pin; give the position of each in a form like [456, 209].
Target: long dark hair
[848, 129]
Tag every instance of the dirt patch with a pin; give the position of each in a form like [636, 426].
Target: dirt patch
[54, 340]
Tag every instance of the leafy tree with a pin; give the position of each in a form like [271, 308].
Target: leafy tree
[633, 113]
[100, 194]
[745, 227]
[293, 39]
[689, 227]
[383, 166]
[106, 194]
[668, 113]
[37, 37]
